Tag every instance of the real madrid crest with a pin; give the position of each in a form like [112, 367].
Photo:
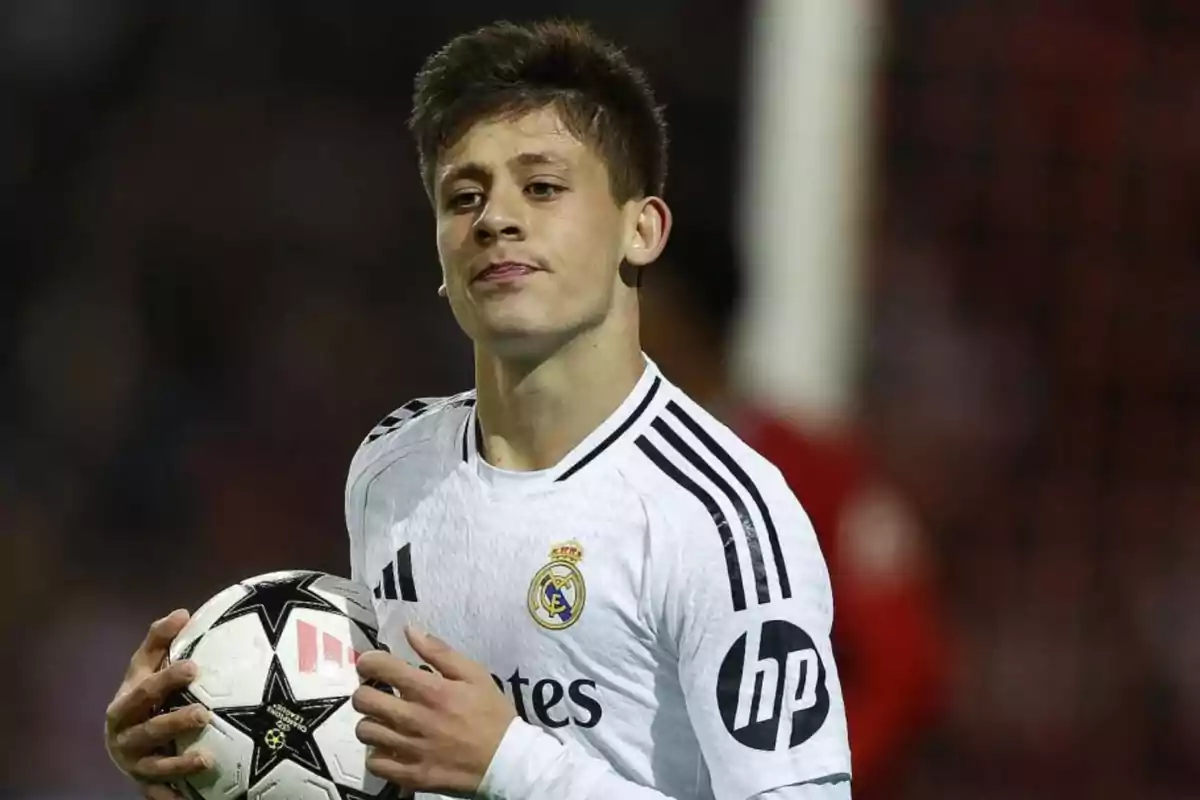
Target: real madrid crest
[557, 592]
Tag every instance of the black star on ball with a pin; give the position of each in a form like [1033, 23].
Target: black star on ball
[282, 727]
[272, 601]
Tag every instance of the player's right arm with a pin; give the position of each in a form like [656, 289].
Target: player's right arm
[135, 735]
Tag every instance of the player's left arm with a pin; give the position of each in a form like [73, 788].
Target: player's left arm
[750, 612]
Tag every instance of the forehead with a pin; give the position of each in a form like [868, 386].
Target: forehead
[499, 140]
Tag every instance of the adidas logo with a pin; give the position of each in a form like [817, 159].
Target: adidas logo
[396, 582]
[318, 653]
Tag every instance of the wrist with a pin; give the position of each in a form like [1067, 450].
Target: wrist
[518, 761]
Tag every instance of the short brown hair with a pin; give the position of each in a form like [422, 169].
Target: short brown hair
[506, 68]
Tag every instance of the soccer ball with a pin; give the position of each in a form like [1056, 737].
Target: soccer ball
[276, 657]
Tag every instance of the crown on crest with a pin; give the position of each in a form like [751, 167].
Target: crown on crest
[571, 552]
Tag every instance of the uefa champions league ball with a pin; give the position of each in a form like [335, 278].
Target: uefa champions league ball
[276, 656]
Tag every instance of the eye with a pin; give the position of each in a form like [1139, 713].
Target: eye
[544, 190]
[464, 200]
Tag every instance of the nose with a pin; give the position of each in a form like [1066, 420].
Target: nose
[501, 218]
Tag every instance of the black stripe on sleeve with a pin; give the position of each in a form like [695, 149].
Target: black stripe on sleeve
[785, 586]
[412, 410]
[759, 569]
[406, 413]
[732, 566]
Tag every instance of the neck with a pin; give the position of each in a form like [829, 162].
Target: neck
[532, 413]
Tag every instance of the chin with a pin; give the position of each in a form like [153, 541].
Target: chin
[520, 339]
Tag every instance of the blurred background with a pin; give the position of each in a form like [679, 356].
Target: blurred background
[939, 260]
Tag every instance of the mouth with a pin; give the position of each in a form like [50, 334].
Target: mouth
[507, 270]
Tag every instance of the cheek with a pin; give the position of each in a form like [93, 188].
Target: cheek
[450, 245]
[594, 244]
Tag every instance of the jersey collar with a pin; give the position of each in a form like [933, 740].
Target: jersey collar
[633, 409]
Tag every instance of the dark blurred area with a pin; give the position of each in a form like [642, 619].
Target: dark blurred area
[1035, 381]
[217, 272]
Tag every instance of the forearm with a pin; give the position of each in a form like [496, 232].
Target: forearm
[530, 764]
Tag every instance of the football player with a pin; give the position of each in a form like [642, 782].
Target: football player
[590, 588]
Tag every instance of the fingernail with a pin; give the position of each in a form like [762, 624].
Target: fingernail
[204, 759]
[417, 633]
[200, 714]
[189, 670]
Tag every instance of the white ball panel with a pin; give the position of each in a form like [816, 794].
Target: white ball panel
[231, 750]
[204, 617]
[318, 651]
[344, 754]
[290, 781]
[233, 660]
[354, 599]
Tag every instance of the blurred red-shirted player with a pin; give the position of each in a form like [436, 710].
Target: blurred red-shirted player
[886, 634]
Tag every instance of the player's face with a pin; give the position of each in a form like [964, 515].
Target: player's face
[530, 237]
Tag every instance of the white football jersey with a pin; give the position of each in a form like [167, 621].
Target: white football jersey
[658, 597]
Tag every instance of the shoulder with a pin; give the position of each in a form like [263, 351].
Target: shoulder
[719, 513]
[430, 408]
[690, 462]
[432, 425]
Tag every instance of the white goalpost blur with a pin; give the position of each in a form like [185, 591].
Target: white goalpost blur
[803, 202]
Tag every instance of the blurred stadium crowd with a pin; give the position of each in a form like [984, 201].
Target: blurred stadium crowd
[217, 272]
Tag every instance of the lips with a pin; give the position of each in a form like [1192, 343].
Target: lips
[504, 270]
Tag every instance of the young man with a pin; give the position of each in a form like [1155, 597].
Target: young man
[630, 603]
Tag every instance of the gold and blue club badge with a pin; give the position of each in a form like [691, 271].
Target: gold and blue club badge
[557, 592]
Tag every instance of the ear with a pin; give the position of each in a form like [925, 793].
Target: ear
[651, 228]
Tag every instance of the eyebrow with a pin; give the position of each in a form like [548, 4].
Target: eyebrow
[477, 171]
[539, 159]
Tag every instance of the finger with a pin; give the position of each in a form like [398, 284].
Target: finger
[153, 648]
[395, 771]
[166, 768]
[387, 668]
[162, 729]
[397, 713]
[374, 733]
[445, 659]
[137, 704]
[378, 665]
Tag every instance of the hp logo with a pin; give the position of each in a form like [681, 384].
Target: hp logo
[771, 688]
